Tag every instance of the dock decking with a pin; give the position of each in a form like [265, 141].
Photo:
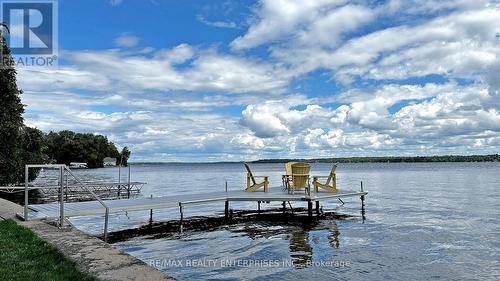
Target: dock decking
[88, 208]
[63, 210]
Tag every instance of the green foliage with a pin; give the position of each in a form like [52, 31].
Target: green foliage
[67, 146]
[11, 120]
[24, 256]
[31, 147]
[124, 156]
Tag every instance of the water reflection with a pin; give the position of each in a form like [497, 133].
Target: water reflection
[300, 249]
[333, 236]
[298, 236]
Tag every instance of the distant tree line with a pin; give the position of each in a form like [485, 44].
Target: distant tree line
[66, 146]
[35, 147]
[393, 159]
[21, 145]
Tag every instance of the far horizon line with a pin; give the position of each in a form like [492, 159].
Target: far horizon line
[496, 157]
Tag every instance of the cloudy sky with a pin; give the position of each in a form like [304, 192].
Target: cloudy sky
[233, 80]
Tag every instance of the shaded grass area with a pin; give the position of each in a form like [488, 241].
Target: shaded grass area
[24, 256]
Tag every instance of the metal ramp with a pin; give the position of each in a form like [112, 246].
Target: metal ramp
[88, 208]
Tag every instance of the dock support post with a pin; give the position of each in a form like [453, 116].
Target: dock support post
[226, 209]
[128, 185]
[258, 209]
[182, 217]
[151, 214]
[61, 197]
[317, 207]
[106, 218]
[284, 206]
[362, 197]
[26, 175]
[309, 208]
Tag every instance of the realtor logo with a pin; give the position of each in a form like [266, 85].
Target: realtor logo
[33, 31]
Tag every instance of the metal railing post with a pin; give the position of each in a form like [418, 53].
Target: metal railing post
[106, 218]
[61, 199]
[26, 175]
[119, 178]
[66, 187]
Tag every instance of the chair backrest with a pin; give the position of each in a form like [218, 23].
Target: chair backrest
[288, 167]
[300, 174]
[331, 176]
[250, 173]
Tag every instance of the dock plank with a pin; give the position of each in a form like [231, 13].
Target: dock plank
[88, 208]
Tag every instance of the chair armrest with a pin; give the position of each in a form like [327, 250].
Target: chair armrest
[321, 177]
[260, 176]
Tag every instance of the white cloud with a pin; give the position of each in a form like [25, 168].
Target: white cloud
[311, 22]
[219, 24]
[275, 118]
[183, 103]
[207, 70]
[115, 2]
[461, 44]
[126, 40]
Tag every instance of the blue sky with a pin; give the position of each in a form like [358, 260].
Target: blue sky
[242, 80]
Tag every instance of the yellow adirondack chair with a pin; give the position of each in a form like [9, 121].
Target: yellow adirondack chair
[331, 181]
[287, 177]
[252, 184]
[288, 168]
[300, 177]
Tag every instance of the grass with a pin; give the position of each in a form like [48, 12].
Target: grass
[24, 256]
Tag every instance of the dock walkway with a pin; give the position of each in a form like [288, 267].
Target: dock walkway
[89, 208]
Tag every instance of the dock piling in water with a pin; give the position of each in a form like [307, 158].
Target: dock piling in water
[226, 209]
[362, 197]
[309, 208]
[151, 214]
[182, 217]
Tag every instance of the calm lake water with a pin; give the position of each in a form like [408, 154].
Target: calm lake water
[423, 221]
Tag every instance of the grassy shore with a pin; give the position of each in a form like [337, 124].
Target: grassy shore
[24, 256]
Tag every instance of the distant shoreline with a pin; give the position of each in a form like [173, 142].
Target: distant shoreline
[378, 159]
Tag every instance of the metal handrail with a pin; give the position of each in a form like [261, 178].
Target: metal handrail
[106, 208]
[85, 187]
[63, 167]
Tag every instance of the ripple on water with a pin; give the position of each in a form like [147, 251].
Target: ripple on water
[423, 221]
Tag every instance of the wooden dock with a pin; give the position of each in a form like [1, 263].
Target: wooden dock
[63, 210]
[105, 207]
[89, 208]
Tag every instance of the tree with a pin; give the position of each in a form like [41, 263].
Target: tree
[124, 155]
[31, 147]
[67, 146]
[11, 120]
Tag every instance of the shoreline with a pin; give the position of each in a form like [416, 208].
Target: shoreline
[91, 254]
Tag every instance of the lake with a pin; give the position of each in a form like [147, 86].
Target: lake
[423, 221]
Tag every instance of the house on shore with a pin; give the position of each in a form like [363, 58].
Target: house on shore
[78, 165]
[109, 162]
